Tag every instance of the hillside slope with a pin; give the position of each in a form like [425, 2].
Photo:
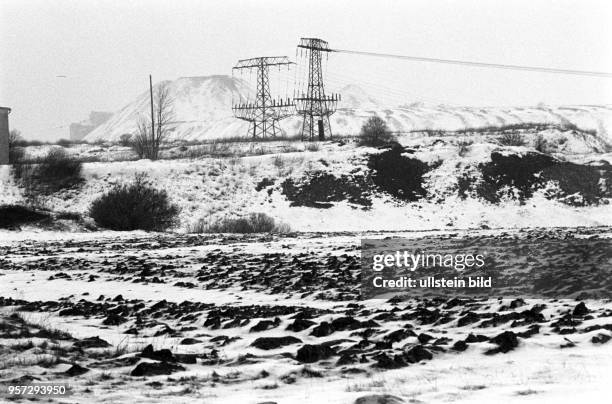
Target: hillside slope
[203, 111]
[432, 183]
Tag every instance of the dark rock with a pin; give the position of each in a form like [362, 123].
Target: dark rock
[190, 341]
[345, 323]
[469, 318]
[76, 370]
[264, 325]
[600, 338]
[517, 303]
[274, 342]
[155, 368]
[424, 338]
[322, 330]
[300, 324]
[114, 319]
[213, 322]
[314, 353]
[471, 338]
[506, 342]
[580, 310]
[92, 342]
[346, 359]
[398, 335]
[385, 361]
[381, 345]
[417, 354]
[164, 355]
[460, 346]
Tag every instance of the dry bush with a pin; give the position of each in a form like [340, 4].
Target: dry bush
[134, 206]
[125, 140]
[375, 132]
[511, 139]
[57, 170]
[253, 223]
[312, 147]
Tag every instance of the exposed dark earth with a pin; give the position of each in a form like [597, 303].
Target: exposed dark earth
[212, 317]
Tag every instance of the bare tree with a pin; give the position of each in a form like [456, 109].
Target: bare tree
[16, 153]
[148, 140]
[14, 137]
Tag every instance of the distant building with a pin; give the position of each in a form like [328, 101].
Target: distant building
[4, 135]
[81, 129]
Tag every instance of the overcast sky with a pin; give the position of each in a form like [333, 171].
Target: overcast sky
[106, 49]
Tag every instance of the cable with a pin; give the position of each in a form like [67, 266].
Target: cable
[482, 64]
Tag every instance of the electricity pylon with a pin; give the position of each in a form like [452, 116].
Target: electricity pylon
[314, 106]
[265, 111]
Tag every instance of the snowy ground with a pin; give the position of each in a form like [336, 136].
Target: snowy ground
[207, 299]
[210, 188]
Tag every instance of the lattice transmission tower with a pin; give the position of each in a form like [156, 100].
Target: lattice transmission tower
[264, 111]
[314, 106]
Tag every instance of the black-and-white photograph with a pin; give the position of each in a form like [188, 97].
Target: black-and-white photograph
[326, 202]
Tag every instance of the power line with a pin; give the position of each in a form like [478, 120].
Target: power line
[481, 64]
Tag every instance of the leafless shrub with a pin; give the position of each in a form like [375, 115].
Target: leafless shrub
[125, 139]
[312, 147]
[278, 161]
[253, 223]
[511, 139]
[57, 170]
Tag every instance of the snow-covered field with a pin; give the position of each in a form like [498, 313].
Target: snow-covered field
[254, 319]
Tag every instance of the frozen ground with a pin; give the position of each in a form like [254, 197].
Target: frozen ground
[254, 319]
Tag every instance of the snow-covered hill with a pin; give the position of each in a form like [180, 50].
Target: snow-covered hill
[203, 111]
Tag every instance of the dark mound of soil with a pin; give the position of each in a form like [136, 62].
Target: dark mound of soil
[12, 216]
[267, 343]
[319, 189]
[398, 175]
[155, 368]
[579, 185]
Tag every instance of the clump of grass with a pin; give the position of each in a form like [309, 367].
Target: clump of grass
[57, 170]
[312, 147]
[511, 139]
[253, 223]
